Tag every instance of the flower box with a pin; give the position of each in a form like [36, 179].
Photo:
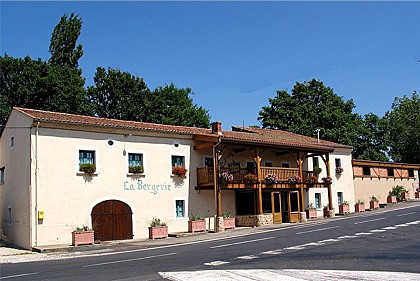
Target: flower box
[344, 209]
[158, 232]
[359, 207]
[82, 237]
[405, 196]
[197, 225]
[326, 212]
[373, 205]
[311, 213]
[391, 199]
[228, 223]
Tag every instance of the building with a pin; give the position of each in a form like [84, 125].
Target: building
[46, 190]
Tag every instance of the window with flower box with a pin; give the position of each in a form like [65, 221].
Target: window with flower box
[87, 161]
[135, 163]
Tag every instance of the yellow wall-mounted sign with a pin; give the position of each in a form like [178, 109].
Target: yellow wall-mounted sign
[41, 215]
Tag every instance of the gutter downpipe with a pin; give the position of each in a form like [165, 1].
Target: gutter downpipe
[36, 183]
[215, 164]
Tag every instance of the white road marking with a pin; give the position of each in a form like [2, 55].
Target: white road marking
[369, 221]
[287, 275]
[402, 225]
[328, 240]
[390, 227]
[407, 214]
[274, 252]
[247, 257]
[243, 242]
[347, 237]
[413, 222]
[377, 230]
[128, 260]
[294, 248]
[216, 263]
[18, 275]
[321, 229]
[363, 233]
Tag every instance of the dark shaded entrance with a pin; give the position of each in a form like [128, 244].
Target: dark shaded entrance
[112, 220]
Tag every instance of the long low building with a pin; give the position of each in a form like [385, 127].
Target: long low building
[62, 171]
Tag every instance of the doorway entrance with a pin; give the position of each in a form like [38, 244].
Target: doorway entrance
[112, 220]
[285, 206]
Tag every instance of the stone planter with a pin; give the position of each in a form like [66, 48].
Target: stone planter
[359, 207]
[197, 225]
[228, 223]
[417, 194]
[344, 209]
[82, 237]
[391, 199]
[158, 232]
[373, 205]
[405, 196]
[311, 213]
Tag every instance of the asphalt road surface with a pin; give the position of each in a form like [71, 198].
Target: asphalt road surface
[378, 245]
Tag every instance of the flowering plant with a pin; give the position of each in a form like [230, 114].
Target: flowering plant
[87, 168]
[293, 179]
[179, 171]
[270, 179]
[338, 170]
[250, 178]
[311, 179]
[327, 180]
[135, 169]
[226, 177]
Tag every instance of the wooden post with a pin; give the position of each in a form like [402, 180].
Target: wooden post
[327, 164]
[257, 160]
[300, 165]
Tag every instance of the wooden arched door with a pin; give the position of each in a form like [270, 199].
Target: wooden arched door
[112, 220]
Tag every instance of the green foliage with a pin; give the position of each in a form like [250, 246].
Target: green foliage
[310, 207]
[310, 106]
[345, 203]
[195, 218]
[82, 228]
[397, 190]
[227, 215]
[157, 222]
[135, 169]
[404, 124]
[317, 170]
[88, 169]
[63, 49]
[374, 198]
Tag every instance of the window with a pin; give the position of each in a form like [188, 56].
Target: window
[338, 163]
[340, 198]
[318, 202]
[12, 142]
[266, 202]
[285, 165]
[268, 164]
[180, 208]
[315, 162]
[135, 163]
[411, 173]
[86, 157]
[208, 162]
[178, 161]
[2, 175]
[250, 166]
[366, 171]
[390, 172]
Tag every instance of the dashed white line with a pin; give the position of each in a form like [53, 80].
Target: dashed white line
[390, 228]
[128, 260]
[315, 230]
[406, 214]
[216, 263]
[369, 221]
[238, 243]
[363, 233]
[402, 225]
[247, 257]
[347, 237]
[274, 252]
[377, 230]
[18, 275]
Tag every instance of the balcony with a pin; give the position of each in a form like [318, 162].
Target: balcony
[205, 176]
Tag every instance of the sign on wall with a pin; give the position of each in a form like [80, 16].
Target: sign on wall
[154, 188]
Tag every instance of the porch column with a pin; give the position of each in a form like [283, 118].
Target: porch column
[257, 160]
[217, 192]
[327, 164]
[302, 199]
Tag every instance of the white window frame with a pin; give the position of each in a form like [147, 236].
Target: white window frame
[185, 207]
[319, 198]
[180, 155]
[135, 152]
[96, 161]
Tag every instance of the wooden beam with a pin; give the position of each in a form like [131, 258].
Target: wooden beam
[213, 139]
[203, 145]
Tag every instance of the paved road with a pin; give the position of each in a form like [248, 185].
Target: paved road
[379, 245]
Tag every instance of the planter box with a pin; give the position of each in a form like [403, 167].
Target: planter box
[344, 209]
[311, 213]
[229, 223]
[391, 199]
[198, 225]
[359, 207]
[405, 196]
[82, 237]
[373, 205]
[325, 212]
[417, 195]
[158, 232]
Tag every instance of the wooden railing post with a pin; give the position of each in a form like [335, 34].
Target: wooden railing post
[257, 160]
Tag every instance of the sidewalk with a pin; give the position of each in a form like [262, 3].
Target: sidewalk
[10, 254]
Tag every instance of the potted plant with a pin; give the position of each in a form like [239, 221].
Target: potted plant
[327, 180]
[317, 170]
[396, 194]
[196, 223]
[391, 198]
[417, 193]
[359, 206]
[179, 171]
[135, 169]
[88, 168]
[310, 211]
[82, 236]
[293, 180]
[344, 208]
[373, 203]
[250, 178]
[270, 179]
[228, 221]
[226, 177]
[405, 196]
[339, 170]
[325, 211]
[311, 180]
[158, 229]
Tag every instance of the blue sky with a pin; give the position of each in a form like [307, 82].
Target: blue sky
[236, 55]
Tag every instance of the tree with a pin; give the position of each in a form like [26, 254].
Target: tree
[63, 49]
[404, 129]
[312, 106]
[39, 85]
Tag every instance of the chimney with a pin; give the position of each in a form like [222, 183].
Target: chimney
[216, 128]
